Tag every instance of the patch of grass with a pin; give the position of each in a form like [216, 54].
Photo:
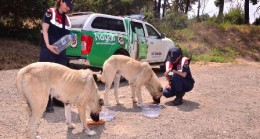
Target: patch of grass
[217, 56]
[187, 33]
[212, 58]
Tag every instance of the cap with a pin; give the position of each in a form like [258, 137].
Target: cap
[69, 3]
[174, 53]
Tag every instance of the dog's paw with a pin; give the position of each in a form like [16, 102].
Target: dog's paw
[71, 126]
[120, 103]
[37, 137]
[134, 101]
[90, 132]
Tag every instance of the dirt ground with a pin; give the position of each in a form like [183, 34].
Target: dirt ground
[223, 104]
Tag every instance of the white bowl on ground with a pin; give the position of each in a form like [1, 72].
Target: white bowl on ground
[151, 110]
[107, 114]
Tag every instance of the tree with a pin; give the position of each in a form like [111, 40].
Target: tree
[164, 7]
[220, 4]
[187, 6]
[198, 13]
[19, 10]
[246, 11]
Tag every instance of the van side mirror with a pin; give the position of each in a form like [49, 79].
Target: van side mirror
[162, 35]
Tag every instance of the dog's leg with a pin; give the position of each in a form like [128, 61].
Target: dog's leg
[32, 124]
[107, 87]
[116, 86]
[139, 95]
[37, 106]
[68, 116]
[82, 115]
[133, 92]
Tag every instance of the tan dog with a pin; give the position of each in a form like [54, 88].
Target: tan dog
[36, 81]
[137, 73]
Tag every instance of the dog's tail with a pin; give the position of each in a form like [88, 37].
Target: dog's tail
[20, 88]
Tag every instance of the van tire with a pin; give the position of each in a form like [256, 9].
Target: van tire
[162, 68]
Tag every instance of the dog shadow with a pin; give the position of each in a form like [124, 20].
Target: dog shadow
[72, 134]
[59, 116]
[187, 105]
[135, 108]
[101, 85]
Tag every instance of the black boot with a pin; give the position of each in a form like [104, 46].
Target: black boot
[178, 100]
[49, 107]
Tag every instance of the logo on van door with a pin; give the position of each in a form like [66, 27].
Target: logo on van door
[156, 53]
[105, 38]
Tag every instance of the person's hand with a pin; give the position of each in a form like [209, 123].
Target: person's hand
[51, 48]
[166, 73]
[76, 37]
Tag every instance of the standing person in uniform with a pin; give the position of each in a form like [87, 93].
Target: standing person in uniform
[55, 25]
[179, 76]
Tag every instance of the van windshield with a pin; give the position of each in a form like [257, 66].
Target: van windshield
[78, 21]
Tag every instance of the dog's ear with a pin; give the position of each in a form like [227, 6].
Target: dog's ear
[101, 102]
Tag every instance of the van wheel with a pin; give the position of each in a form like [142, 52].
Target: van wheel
[162, 68]
[122, 52]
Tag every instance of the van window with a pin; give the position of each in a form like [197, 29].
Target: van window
[137, 28]
[78, 21]
[108, 24]
[152, 33]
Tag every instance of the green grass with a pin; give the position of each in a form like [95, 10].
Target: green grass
[218, 56]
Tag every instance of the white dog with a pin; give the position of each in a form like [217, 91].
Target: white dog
[137, 73]
[38, 80]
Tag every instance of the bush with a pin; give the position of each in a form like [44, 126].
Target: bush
[31, 35]
[176, 20]
[234, 16]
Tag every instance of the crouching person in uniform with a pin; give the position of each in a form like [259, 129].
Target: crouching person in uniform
[179, 76]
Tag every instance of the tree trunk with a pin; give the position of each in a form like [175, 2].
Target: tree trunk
[164, 7]
[159, 8]
[198, 12]
[155, 8]
[221, 11]
[246, 8]
[176, 6]
[187, 6]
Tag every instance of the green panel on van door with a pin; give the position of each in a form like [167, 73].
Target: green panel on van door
[104, 45]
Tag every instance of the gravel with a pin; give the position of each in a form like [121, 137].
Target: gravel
[223, 104]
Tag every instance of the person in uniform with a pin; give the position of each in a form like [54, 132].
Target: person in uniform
[179, 76]
[56, 24]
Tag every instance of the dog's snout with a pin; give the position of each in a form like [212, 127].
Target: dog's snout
[94, 116]
[157, 100]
